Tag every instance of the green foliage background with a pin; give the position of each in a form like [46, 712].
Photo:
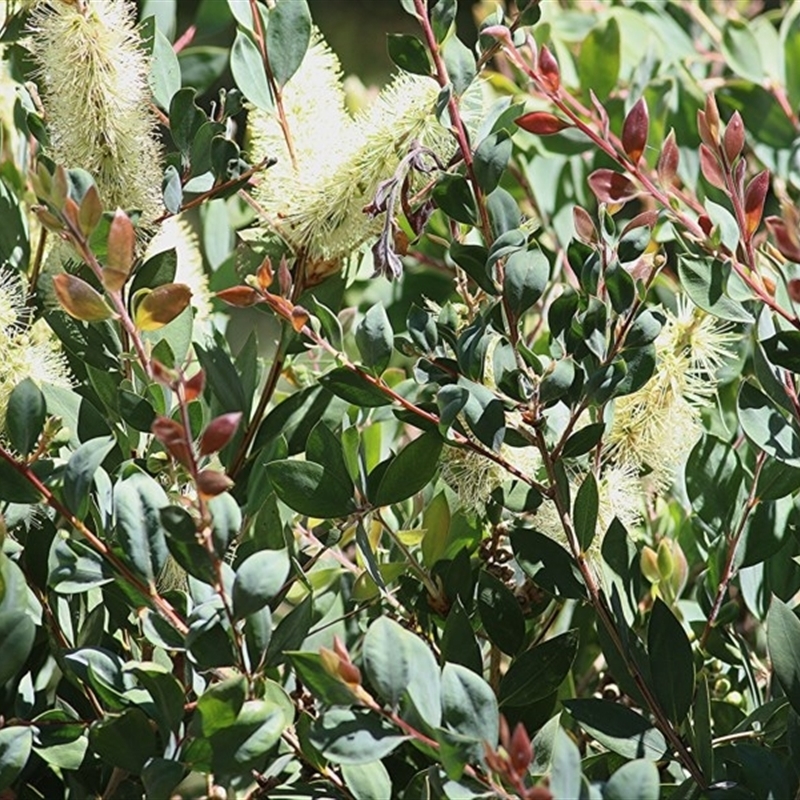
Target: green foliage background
[366, 535]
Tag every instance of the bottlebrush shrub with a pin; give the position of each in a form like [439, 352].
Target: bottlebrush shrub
[447, 449]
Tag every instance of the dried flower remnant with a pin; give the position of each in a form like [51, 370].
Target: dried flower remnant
[318, 206]
[94, 76]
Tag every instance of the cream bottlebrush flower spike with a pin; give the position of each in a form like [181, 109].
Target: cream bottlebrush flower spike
[27, 352]
[658, 425]
[318, 205]
[94, 76]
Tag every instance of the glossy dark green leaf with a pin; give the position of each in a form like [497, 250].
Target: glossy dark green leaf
[504, 214]
[460, 64]
[500, 614]
[453, 195]
[491, 158]
[74, 567]
[366, 781]
[375, 338]
[766, 427]
[484, 414]
[16, 742]
[288, 37]
[636, 780]
[126, 741]
[620, 287]
[245, 744]
[622, 730]
[354, 388]
[671, 662]
[538, 672]
[161, 775]
[459, 645]
[138, 501]
[705, 281]
[713, 477]
[354, 736]
[14, 487]
[310, 489]
[219, 705]
[524, 280]
[290, 631]
[25, 416]
[399, 664]
[472, 259]
[783, 642]
[80, 470]
[469, 706]
[547, 562]
[325, 447]
[584, 514]
[421, 326]
[557, 380]
[17, 629]
[247, 68]
[583, 440]
[783, 350]
[258, 579]
[410, 470]
[409, 53]
[185, 118]
[443, 15]
[633, 243]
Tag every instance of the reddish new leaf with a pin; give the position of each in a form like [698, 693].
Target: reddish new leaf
[549, 73]
[794, 290]
[754, 196]
[584, 225]
[211, 483]
[299, 318]
[647, 219]
[91, 211]
[219, 432]
[733, 140]
[710, 168]
[542, 123]
[171, 434]
[612, 187]
[121, 244]
[80, 300]
[786, 239]
[520, 752]
[635, 129]
[193, 388]
[668, 160]
[239, 296]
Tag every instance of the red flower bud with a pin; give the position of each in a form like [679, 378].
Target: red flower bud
[549, 73]
[734, 137]
[754, 197]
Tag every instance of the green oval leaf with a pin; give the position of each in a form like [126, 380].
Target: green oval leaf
[25, 416]
[671, 662]
[310, 489]
[410, 470]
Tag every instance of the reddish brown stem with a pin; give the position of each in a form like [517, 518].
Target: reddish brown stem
[99, 546]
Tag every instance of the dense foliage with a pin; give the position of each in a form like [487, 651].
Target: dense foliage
[436, 442]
